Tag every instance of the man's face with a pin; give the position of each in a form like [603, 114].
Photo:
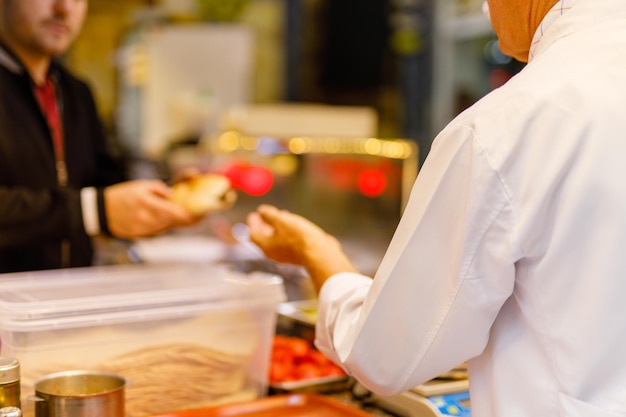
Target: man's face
[41, 27]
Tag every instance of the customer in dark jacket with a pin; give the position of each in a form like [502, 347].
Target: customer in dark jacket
[59, 182]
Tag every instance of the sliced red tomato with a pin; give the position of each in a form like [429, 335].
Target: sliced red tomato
[280, 371]
[294, 359]
[319, 358]
[307, 370]
[300, 347]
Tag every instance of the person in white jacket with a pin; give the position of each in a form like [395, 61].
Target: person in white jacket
[510, 251]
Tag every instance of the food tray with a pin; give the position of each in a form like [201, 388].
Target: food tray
[319, 385]
[293, 405]
[303, 311]
[297, 318]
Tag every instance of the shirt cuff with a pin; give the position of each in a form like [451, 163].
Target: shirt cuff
[102, 212]
[89, 203]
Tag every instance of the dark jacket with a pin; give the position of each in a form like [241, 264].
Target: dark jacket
[37, 216]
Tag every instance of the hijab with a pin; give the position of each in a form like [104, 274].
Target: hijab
[515, 23]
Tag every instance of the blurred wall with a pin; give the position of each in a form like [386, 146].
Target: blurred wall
[93, 55]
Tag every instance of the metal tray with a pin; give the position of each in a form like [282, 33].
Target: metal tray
[317, 385]
[293, 405]
[303, 311]
[297, 318]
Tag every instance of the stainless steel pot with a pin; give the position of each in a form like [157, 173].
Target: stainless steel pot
[79, 394]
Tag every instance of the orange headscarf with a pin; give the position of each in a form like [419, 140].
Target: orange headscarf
[515, 23]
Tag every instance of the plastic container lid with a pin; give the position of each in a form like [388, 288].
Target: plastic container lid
[81, 296]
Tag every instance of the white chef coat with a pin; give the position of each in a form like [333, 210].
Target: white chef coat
[511, 253]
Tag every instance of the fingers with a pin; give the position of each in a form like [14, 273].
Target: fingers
[290, 238]
[260, 231]
[164, 208]
[270, 214]
[141, 208]
[153, 198]
[256, 223]
[158, 188]
[284, 220]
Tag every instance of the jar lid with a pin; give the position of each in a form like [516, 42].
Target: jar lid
[9, 370]
[10, 412]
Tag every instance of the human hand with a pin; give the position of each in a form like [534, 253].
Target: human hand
[287, 237]
[141, 208]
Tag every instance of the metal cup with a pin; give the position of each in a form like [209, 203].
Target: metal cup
[79, 394]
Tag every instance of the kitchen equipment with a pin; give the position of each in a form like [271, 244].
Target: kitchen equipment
[79, 394]
[183, 335]
[435, 398]
[168, 93]
[297, 318]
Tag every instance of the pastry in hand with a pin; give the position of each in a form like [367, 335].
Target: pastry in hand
[204, 193]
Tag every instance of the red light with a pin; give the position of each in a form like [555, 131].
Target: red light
[256, 181]
[233, 172]
[251, 179]
[371, 182]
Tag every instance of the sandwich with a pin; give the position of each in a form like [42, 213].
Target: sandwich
[203, 194]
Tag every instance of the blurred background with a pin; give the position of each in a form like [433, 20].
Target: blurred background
[327, 108]
[415, 63]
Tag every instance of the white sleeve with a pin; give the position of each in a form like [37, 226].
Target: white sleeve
[446, 274]
[89, 204]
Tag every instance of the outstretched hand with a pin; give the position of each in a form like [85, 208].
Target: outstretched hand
[287, 237]
[141, 208]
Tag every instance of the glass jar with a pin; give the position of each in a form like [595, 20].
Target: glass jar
[9, 382]
[10, 412]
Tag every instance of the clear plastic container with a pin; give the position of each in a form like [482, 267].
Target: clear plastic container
[182, 335]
